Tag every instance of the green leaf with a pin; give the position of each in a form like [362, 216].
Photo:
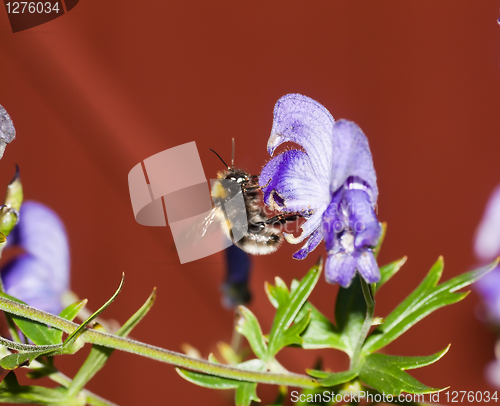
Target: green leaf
[40, 372]
[68, 313]
[39, 333]
[385, 373]
[321, 332]
[278, 295]
[230, 356]
[291, 335]
[249, 326]
[376, 250]
[12, 392]
[350, 314]
[333, 378]
[208, 381]
[9, 212]
[245, 393]
[426, 298]
[99, 355]
[388, 271]
[288, 309]
[14, 196]
[70, 340]
[20, 359]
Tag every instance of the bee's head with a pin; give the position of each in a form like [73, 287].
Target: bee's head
[237, 175]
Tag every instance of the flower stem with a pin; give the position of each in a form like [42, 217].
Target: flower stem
[365, 329]
[157, 353]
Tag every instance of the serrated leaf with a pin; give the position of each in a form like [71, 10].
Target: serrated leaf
[99, 355]
[249, 326]
[385, 373]
[291, 335]
[426, 298]
[39, 333]
[333, 378]
[321, 332]
[350, 314]
[388, 271]
[287, 311]
[14, 361]
[12, 392]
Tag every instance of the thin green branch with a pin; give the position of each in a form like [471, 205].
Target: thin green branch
[157, 353]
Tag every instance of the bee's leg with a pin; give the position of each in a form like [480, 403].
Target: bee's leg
[283, 218]
[254, 188]
[257, 227]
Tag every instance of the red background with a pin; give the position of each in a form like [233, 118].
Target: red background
[98, 90]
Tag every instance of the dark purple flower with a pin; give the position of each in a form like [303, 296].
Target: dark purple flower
[487, 249]
[331, 182]
[39, 276]
[235, 290]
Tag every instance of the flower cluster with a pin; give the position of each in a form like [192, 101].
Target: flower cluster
[331, 182]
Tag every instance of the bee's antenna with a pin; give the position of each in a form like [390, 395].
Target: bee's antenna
[226, 165]
[232, 156]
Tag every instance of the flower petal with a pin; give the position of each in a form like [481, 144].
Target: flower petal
[291, 183]
[487, 242]
[334, 221]
[367, 266]
[31, 281]
[311, 225]
[489, 288]
[302, 120]
[314, 239]
[352, 158]
[41, 233]
[362, 218]
[340, 268]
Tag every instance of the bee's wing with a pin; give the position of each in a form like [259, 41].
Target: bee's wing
[198, 229]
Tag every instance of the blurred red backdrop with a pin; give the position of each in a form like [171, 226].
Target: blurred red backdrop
[111, 83]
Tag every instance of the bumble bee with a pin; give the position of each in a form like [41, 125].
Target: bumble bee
[251, 231]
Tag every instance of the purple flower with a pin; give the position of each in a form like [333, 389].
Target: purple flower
[39, 276]
[487, 248]
[331, 182]
[235, 289]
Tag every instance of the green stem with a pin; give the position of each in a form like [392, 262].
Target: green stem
[157, 353]
[365, 329]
